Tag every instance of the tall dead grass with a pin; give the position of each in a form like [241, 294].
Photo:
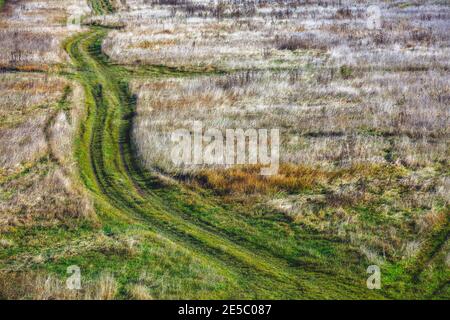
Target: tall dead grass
[38, 183]
[32, 31]
[38, 286]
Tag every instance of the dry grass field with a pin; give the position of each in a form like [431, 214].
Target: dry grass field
[359, 94]
[31, 33]
[363, 114]
[39, 117]
[37, 129]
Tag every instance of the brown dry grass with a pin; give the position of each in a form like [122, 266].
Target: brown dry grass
[37, 286]
[32, 31]
[155, 45]
[38, 185]
[138, 292]
[291, 178]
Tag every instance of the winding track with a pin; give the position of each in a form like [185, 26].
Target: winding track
[128, 193]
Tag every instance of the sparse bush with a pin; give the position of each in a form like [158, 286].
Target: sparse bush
[346, 72]
[423, 36]
[343, 13]
[300, 42]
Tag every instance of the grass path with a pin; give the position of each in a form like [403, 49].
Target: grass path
[125, 193]
[262, 258]
[189, 244]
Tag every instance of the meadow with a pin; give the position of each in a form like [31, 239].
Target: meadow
[87, 179]
[363, 114]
